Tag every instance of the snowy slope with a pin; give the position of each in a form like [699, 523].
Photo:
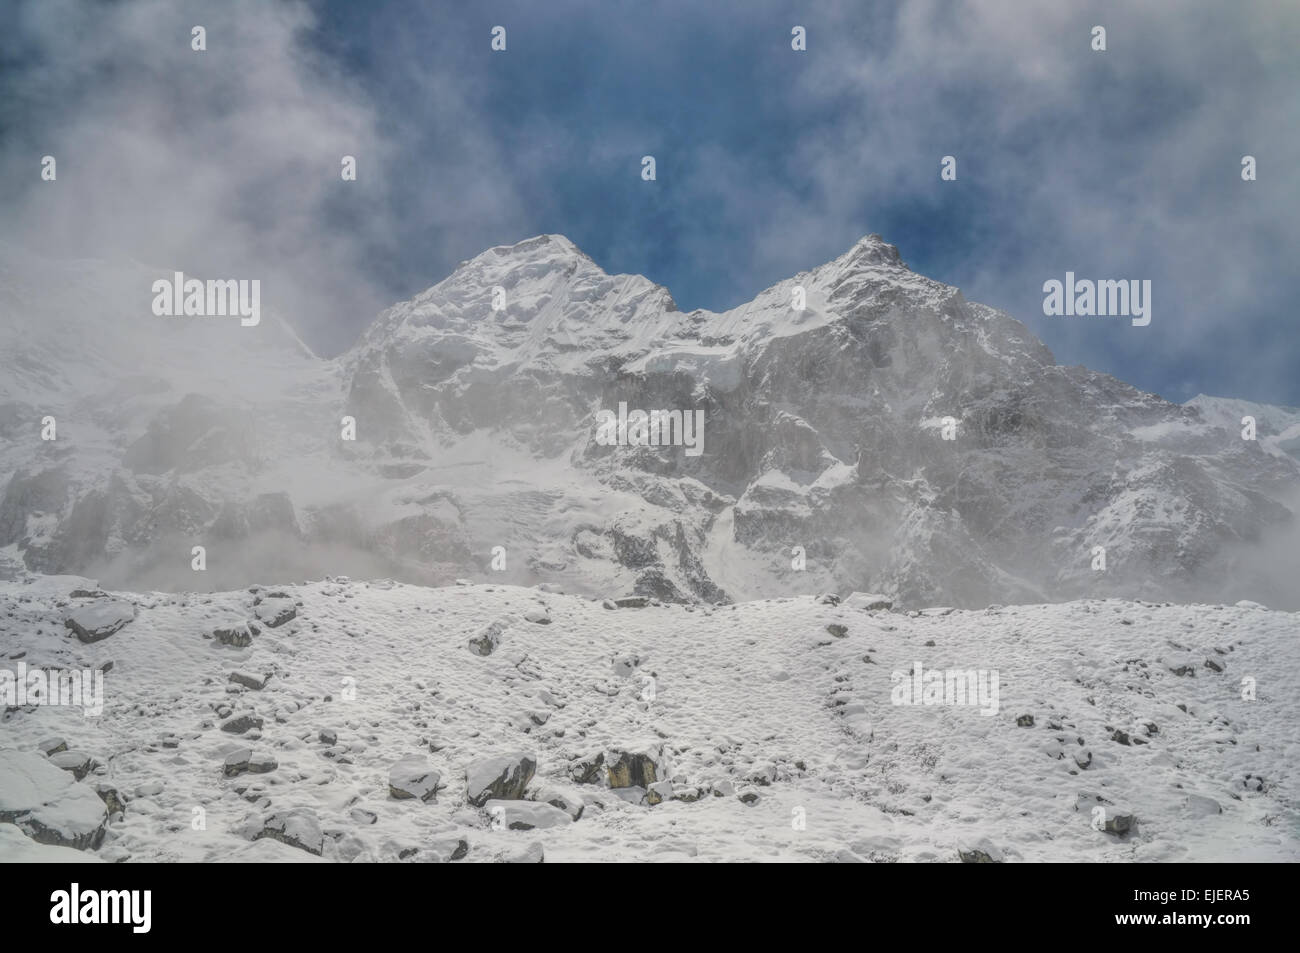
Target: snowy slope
[1277, 428]
[758, 710]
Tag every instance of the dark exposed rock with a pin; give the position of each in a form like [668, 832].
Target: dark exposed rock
[488, 639]
[625, 769]
[241, 723]
[243, 761]
[239, 635]
[250, 681]
[503, 777]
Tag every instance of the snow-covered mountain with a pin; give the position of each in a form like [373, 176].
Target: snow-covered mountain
[476, 428]
[1277, 428]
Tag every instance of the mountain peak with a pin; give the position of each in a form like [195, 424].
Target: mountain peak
[537, 248]
[874, 250]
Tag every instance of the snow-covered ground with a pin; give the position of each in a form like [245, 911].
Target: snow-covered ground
[776, 735]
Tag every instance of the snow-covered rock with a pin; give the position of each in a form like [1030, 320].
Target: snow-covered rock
[239, 634]
[78, 763]
[244, 761]
[17, 848]
[488, 639]
[412, 777]
[48, 804]
[298, 828]
[99, 619]
[525, 815]
[274, 610]
[868, 601]
[640, 767]
[503, 777]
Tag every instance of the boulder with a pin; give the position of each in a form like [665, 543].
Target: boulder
[984, 854]
[238, 635]
[241, 724]
[254, 682]
[1120, 824]
[502, 777]
[488, 639]
[452, 848]
[586, 770]
[243, 761]
[526, 815]
[113, 800]
[626, 769]
[274, 611]
[869, 601]
[17, 848]
[99, 619]
[570, 804]
[74, 761]
[532, 854]
[412, 778]
[47, 804]
[297, 828]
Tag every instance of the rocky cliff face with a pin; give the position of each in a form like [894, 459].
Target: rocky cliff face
[823, 444]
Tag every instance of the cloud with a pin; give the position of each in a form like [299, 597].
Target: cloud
[1116, 164]
[1122, 163]
[225, 162]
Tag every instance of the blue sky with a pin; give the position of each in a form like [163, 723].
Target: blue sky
[1115, 164]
